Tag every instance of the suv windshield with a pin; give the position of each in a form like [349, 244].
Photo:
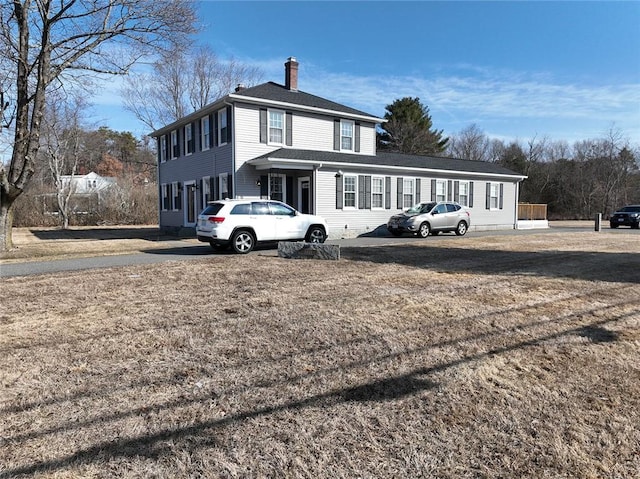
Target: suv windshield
[421, 208]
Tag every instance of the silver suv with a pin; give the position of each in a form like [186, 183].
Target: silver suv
[243, 223]
[431, 218]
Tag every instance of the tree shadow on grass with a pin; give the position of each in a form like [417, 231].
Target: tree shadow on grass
[580, 265]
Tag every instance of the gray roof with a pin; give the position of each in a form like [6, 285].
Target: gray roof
[398, 160]
[275, 92]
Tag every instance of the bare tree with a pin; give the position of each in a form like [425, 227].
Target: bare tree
[183, 82]
[470, 144]
[61, 137]
[58, 41]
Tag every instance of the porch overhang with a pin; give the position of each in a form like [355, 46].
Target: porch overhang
[267, 163]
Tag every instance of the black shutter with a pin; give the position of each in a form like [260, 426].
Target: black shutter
[488, 197]
[367, 192]
[264, 186]
[159, 146]
[192, 141]
[179, 195]
[449, 190]
[418, 196]
[357, 138]
[433, 190]
[167, 146]
[263, 125]
[399, 196]
[339, 192]
[361, 192]
[336, 135]
[501, 195]
[289, 129]
[289, 199]
[387, 192]
[471, 194]
[456, 191]
[230, 186]
[229, 126]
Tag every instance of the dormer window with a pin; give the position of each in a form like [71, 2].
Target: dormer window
[346, 135]
[276, 127]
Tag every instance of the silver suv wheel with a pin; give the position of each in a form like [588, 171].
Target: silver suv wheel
[242, 241]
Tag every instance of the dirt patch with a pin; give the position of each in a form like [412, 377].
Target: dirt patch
[497, 356]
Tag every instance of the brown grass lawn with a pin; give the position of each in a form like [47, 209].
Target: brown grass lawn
[450, 357]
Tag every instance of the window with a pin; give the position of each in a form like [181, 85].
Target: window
[494, 196]
[166, 196]
[408, 191]
[463, 193]
[163, 148]
[206, 191]
[281, 210]
[223, 185]
[177, 198]
[346, 135]
[188, 139]
[276, 126]
[377, 192]
[204, 134]
[222, 127]
[175, 147]
[277, 187]
[441, 190]
[350, 190]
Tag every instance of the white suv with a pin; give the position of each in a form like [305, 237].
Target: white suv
[243, 223]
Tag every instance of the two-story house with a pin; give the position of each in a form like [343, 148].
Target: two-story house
[275, 141]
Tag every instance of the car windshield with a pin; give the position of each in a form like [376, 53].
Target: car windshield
[630, 209]
[420, 208]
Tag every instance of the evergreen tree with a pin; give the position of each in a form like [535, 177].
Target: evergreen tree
[409, 129]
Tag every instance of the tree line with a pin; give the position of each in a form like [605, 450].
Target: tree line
[576, 181]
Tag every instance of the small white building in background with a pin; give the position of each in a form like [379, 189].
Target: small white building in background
[87, 184]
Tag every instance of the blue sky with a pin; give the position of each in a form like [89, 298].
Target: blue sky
[565, 70]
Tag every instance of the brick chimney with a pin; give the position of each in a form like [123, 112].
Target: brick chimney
[291, 74]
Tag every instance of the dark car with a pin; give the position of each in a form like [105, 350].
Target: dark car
[431, 218]
[627, 216]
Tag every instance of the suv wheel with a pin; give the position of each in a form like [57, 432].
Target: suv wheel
[424, 230]
[461, 229]
[242, 241]
[316, 234]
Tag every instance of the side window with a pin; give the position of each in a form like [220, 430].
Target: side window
[222, 127]
[260, 208]
[242, 209]
[441, 208]
[451, 207]
[281, 210]
[350, 183]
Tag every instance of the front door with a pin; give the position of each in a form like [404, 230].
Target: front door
[190, 203]
[304, 195]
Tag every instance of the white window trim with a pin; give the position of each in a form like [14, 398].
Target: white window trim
[188, 136]
[223, 181]
[382, 181]
[222, 114]
[460, 183]
[497, 197]
[165, 192]
[205, 139]
[284, 127]
[163, 148]
[174, 141]
[353, 129]
[413, 192]
[443, 197]
[206, 190]
[355, 192]
[174, 196]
